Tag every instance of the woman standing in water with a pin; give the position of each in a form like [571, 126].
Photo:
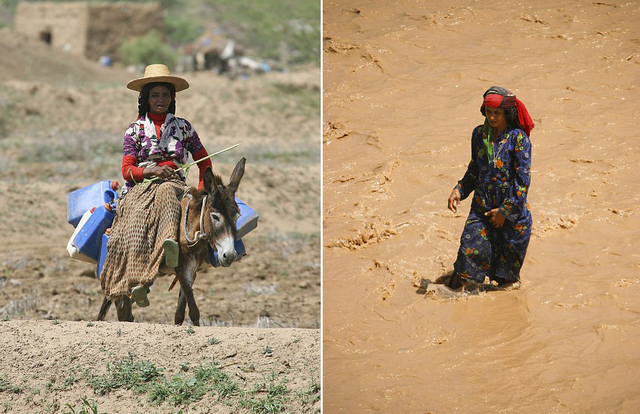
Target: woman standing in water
[497, 231]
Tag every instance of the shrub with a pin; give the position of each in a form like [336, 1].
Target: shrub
[181, 29]
[146, 50]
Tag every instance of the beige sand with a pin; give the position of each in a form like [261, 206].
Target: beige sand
[402, 89]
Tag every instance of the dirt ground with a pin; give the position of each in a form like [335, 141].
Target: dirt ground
[61, 125]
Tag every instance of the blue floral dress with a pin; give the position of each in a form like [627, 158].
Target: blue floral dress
[498, 180]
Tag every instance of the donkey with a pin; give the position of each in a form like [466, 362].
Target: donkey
[215, 225]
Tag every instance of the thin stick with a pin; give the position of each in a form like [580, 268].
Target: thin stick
[186, 166]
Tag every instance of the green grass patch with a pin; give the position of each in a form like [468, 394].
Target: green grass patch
[128, 374]
[183, 389]
[221, 383]
[186, 387]
[86, 407]
[178, 390]
[268, 396]
[267, 351]
[311, 394]
[7, 386]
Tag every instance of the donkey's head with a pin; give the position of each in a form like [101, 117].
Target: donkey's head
[222, 212]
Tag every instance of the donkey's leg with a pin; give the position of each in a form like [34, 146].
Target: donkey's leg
[182, 305]
[186, 290]
[194, 312]
[106, 304]
[123, 304]
[182, 269]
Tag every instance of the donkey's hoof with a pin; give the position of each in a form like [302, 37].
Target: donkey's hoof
[171, 252]
[139, 295]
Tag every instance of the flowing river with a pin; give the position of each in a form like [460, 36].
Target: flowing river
[402, 87]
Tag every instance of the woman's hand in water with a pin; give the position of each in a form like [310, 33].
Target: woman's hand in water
[164, 171]
[454, 200]
[495, 217]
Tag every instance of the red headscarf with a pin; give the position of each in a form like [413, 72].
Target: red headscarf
[497, 97]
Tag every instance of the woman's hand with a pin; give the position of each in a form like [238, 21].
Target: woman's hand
[454, 200]
[164, 171]
[495, 217]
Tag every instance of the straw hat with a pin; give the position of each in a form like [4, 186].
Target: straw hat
[158, 73]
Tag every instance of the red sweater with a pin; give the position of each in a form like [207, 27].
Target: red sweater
[130, 169]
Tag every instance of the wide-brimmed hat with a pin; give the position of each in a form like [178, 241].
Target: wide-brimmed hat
[158, 73]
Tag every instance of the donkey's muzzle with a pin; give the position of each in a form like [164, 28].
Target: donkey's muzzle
[227, 257]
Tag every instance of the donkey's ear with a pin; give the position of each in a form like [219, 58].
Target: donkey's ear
[209, 183]
[236, 176]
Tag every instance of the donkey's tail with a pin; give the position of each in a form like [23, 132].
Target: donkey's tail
[106, 304]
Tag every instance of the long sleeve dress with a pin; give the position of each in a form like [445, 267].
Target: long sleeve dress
[498, 180]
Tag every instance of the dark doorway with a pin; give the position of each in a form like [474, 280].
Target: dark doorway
[46, 36]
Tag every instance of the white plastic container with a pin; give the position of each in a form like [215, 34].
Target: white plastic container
[74, 252]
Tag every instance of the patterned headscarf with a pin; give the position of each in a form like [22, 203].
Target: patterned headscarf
[497, 97]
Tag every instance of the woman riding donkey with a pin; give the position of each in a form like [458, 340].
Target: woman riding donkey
[144, 236]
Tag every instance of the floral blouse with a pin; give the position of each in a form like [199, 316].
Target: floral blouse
[501, 181]
[177, 139]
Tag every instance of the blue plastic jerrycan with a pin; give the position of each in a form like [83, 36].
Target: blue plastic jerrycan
[103, 254]
[89, 238]
[84, 199]
[247, 221]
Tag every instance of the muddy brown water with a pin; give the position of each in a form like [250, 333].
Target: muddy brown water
[402, 85]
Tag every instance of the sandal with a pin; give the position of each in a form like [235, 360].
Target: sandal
[139, 295]
[171, 252]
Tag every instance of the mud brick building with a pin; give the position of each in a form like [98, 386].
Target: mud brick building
[87, 29]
